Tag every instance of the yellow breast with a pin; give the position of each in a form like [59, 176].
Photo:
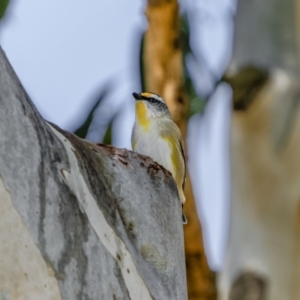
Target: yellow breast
[141, 115]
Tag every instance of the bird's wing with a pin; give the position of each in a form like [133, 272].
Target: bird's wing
[183, 155]
[170, 128]
[133, 138]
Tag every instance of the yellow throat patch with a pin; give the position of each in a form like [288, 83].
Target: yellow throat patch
[141, 114]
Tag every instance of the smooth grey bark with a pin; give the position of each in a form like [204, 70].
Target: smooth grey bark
[262, 260]
[266, 34]
[105, 223]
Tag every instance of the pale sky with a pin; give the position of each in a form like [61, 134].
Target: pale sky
[65, 51]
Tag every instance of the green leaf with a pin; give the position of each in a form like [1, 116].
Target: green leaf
[83, 129]
[108, 135]
[3, 6]
[197, 103]
[141, 61]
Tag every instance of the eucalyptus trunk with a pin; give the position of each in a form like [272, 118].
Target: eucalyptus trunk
[262, 260]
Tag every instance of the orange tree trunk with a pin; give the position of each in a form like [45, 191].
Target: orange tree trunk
[163, 73]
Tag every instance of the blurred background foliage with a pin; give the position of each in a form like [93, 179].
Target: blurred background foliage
[82, 130]
[3, 6]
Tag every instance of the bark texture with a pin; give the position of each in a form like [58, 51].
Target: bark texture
[164, 76]
[79, 220]
[262, 260]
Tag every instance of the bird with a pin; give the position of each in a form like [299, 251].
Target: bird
[156, 135]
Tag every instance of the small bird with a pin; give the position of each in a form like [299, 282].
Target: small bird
[156, 135]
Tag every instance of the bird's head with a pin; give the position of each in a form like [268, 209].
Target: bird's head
[150, 104]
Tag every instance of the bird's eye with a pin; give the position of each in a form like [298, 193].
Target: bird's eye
[154, 101]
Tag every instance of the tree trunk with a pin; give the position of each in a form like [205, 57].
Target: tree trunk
[79, 220]
[164, 76]
[262, 260]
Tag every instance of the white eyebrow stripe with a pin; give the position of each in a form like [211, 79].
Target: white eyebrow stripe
[157, 98]
[154, 96]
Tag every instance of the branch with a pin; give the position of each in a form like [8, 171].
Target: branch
[79, 220]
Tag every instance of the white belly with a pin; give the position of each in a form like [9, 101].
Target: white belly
[152, 145]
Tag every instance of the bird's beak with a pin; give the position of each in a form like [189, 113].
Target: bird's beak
[137, 96]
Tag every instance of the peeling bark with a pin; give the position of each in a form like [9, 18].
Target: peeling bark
[248, 286]
[79, 220]
[164, 75]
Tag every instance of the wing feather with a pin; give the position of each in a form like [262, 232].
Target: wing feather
[169, 128]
